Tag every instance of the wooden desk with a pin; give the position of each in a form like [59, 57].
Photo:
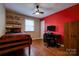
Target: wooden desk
[13, 42]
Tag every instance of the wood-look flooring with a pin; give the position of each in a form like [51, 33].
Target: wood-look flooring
[39, 49]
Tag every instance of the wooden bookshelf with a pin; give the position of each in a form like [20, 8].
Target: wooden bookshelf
[13, 20]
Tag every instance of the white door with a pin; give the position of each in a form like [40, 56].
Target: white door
[42, 28]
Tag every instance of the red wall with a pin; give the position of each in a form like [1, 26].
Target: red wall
[58, 19]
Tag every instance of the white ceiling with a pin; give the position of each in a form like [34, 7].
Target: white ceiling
[29, 8]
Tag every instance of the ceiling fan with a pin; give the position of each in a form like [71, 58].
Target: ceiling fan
[37, 10]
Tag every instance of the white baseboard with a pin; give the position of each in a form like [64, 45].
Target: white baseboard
[62, 45]
[35, 38]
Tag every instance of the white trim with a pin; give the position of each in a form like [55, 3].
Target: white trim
[42, 28]
[35, 38]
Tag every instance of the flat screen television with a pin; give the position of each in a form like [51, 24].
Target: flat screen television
[51, 28]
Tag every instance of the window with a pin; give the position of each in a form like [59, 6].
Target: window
[29, 25]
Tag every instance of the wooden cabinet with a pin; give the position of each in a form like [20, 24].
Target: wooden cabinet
[71, 38]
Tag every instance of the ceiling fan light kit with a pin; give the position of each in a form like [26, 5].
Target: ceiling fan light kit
[37, 13]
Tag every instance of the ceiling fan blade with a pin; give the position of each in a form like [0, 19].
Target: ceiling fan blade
[34, 13]
[41, 12]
